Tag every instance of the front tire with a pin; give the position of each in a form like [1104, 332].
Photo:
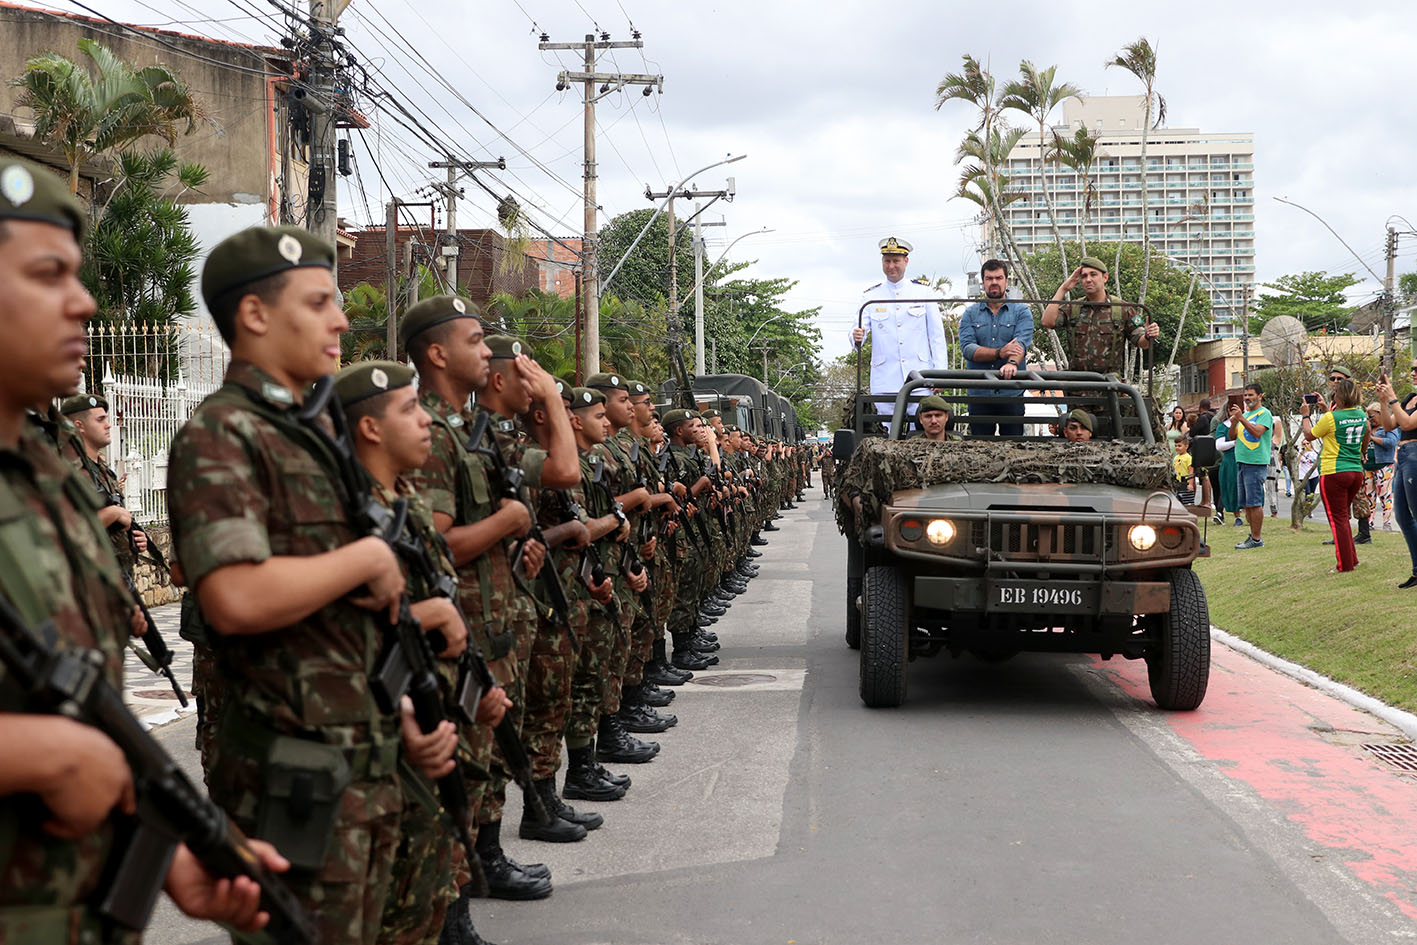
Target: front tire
[885, 636]
[1178, 667]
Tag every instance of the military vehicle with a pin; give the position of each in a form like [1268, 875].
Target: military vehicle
[996, 545]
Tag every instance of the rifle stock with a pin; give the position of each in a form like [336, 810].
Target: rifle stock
[170, 808]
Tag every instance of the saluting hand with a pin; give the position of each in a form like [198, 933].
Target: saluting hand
[1071, 281]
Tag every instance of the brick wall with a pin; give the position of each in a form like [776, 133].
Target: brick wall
[482, 261]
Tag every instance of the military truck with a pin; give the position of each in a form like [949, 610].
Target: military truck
[996, 545]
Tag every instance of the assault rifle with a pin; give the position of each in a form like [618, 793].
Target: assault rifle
[513, 486]
[171, 810]
[408, 665]
[158, 657]
[591, 555]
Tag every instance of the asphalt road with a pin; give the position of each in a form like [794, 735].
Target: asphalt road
[1041, 800]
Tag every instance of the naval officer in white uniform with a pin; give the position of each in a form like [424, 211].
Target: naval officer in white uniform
[905, 336]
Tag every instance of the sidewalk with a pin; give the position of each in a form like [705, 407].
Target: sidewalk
[150, 696]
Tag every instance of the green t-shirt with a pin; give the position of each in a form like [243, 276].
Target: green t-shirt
[1342, 434]
[1251, 451]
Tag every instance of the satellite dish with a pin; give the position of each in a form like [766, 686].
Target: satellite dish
[1283, 340]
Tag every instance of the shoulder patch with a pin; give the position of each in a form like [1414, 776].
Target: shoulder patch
[455, 420]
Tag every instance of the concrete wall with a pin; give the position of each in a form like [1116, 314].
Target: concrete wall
[234, 146]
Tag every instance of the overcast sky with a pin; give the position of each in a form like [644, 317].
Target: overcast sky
[833, 102]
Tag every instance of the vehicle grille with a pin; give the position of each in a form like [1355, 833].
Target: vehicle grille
[1032, 541]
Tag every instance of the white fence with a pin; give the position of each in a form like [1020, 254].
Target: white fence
[153, 379]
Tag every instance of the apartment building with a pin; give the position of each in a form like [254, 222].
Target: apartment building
[1201, 197]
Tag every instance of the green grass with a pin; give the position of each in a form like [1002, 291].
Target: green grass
[1357, 628]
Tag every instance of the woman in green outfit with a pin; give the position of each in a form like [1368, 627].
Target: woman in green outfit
[1229, 471]
[1345, 433]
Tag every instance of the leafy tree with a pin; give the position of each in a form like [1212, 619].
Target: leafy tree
[1139, 58]
[1035, 95]
[139, 259]
[1170, 287]
[366, 307]
[89, 114]
[1407, 286]
[1079, 154]
[1315, 298]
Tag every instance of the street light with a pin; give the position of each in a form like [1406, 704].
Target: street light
[699, 297]
[784, 374]
[760, 328]
[605, 283]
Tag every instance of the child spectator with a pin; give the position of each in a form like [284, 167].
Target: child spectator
[1185, 478]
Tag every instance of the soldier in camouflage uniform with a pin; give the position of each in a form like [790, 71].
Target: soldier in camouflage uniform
[88, 413]
[389, 435]
[586, 778]
[445, 340]
[1098, 330]
[632, 708]
[695, 560]
[567, 529]
[295, 597]
[64, 779]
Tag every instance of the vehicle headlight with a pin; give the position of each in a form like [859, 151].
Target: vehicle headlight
[911, 529]
[1142, 537]
[940, 531]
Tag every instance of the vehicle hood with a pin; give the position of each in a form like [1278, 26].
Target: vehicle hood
[1051, 497]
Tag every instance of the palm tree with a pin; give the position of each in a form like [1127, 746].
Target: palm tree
[1078, 153]
[1035, 95]
[91, 114]
[1139, 58]
[975, 85]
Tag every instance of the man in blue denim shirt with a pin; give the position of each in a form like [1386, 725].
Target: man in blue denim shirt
[995, 335]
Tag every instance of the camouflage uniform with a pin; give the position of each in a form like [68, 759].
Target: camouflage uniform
[553, 657]
[56, 563]
[693, 561]
[643, 629]
[619, 478]
[1098, 333]
[421, 886]
[242, 487]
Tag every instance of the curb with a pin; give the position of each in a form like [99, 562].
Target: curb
[1406, 722]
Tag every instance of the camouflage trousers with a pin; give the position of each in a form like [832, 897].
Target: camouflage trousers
[206, 693]
[683, 617]
[613, 678]
[592, 663]
[346, 896]
[548, 691]
[421, 885]
[511, 672]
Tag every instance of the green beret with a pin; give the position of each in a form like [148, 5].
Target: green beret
[605, 381]
[1092, 262]
[586, 397]
[636, 388]
[29, 191]
[672, 418]
[1342, 369]
[365, 379]
[694, 415]
[710, 413]
[934, 402]
[431, 312]
[1082, 417]
[260, 252]
[565, 389]
[505, 346]
[81, 402]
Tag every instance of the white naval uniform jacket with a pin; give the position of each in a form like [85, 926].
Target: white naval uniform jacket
[904, 337]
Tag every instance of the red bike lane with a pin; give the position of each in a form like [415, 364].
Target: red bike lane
[1300, 751]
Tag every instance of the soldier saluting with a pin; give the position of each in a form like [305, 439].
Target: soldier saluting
[1099, 326]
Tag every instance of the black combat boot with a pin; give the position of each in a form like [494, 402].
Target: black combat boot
[546, 789]
[583, 780]
[610, 777]
[704, 620]
[653, 696]
[659, 672]
[457, 924]
[702, 644]
[708, 635]
[507, 879]
[1365, 534]
[615, 744]
[710, 609]
[753, 552]
[643, 719]
[558, 831]
[769, 527]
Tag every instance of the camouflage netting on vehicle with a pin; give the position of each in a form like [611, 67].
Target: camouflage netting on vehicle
[880, 467]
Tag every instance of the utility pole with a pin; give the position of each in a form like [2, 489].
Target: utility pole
[1390, 303]
[451, 191]
[671, 194]
[765, 349]
[323, 214]
[609, 82]
[1245, 337]
[391, 322]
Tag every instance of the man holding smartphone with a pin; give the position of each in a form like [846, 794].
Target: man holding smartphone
[1253, 432]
